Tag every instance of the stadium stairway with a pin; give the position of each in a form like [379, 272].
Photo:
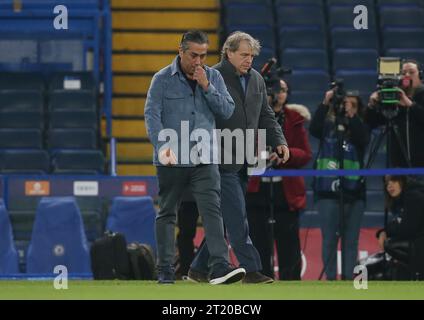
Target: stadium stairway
[146, 35]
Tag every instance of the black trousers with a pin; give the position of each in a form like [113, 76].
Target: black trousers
[187, 224]
[286, 232]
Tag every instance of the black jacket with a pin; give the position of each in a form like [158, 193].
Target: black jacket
[252, 110]
[416, 130]
[357, 133]
[409, 223]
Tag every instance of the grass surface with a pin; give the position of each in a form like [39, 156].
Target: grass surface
[26, 289]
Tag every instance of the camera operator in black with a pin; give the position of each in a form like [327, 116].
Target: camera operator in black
[405, 199]
[289, 193]
[409, 120]
[349, 110]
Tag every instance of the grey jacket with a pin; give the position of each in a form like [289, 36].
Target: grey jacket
[171, 105]
[252, 110]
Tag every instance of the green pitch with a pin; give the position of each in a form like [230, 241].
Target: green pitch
[25, 289]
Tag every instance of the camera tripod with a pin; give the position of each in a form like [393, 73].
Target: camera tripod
[340, 125]
[389, 129]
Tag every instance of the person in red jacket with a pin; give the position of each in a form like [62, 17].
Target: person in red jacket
[289, 194]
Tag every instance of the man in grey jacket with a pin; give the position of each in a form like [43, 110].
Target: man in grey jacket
[184, 98]
[252, 111]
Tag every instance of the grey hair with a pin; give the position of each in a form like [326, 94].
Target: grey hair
[233, 43]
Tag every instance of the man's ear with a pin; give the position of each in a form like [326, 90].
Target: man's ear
[180, 51]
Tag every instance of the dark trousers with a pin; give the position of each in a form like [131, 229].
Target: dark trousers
[187, 223]
[285, 232]
[204, 184]
[233, 206]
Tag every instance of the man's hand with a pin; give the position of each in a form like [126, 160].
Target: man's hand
[404, 100]
[167, 157]
[281, 156]
[200, 76]
[381, 238]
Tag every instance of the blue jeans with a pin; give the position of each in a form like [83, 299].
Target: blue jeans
[233, 207]
[328, 210]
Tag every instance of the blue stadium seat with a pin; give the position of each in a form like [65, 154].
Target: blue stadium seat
[24, 161]
[316, 59]
[344, 16]
[8, 254]
[417, 54]
[263, 57]
[368, 3]
[58, 238]
[313, 38]
[363, 81]
[375, 183]
[21, 109]
[41, 4]
[71, 139]
[72, 80]
[415, 3]
[300, 16]
[401, 17]
[299, 2]
[134, 217]
[72, 100]
[310, 99]
[342, 37]
[264, 34]
[309, 80]
[21, 138]
[375, 201]
[21, 100]
[73, 119]
[78, 162]
[247, 14]
[353, 59]
[21, 81]
[243, 2]
[403, 38]
[21, 119]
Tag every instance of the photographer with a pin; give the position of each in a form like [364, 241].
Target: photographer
[339, 111]
[409, 121]
[405, 199]
[289, 192]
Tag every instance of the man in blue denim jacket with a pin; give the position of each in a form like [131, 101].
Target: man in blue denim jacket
[183, 100]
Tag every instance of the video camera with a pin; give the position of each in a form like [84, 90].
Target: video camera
[390, 82]
[272, 77]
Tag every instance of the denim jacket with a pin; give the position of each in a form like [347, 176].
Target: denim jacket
[171, 104]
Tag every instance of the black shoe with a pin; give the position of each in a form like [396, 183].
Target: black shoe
[197, 276]
[226, 275]
[257, 277]
[166, 276]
